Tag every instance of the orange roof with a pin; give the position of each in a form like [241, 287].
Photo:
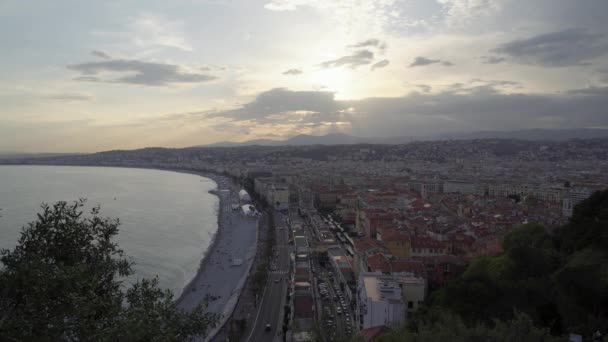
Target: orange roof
[379, 262]
[426, 242]
[371, 333]
[366, 244]
[415, 267]
[392, 234]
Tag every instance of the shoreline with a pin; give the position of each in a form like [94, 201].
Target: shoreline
[226, 263]
[229, 275]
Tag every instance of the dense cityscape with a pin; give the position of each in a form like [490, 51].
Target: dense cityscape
[371, 230]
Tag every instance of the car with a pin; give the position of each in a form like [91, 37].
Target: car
[268, 327]
[276, 281]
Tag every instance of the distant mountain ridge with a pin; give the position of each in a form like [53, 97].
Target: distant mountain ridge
[535, 134]
[18, 155]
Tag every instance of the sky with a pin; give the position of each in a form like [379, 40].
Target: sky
[85, 76]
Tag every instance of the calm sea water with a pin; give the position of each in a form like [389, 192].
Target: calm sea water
[167, 219]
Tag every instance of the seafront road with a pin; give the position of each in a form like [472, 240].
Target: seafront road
[271, 307]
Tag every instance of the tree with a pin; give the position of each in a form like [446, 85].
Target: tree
[64, 282]
[444, 326]
[560, 281]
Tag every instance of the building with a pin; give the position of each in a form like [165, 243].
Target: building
[397, 241]
[544, 193]
[244, 196]
[278, 196]
[413, 289]
[459, 187]
[425, 246]
[572, 198]
[426, 188]
[380, 300]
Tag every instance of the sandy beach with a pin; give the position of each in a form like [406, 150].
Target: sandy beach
[225, 266]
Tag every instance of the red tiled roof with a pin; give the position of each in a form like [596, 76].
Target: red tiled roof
[366, 244]
[415, 267]
[379, 262]
[371, 333]
[426, 242]
[392, 234]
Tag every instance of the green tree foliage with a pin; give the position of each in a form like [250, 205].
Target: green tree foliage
[64, 282]
[588, 226]
[560, 281]
[440, 326]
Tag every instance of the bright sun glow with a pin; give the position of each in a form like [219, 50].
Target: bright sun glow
[338, 80]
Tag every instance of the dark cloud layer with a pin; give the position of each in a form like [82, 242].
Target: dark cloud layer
[292, 72]
[70, 97]
[380, 64]
[492, 59]
[556, 49]
[476, 105]
[361, 57]
[137, 72]
[422, 61]
[370, 42]
[100, 54]
[279, 101]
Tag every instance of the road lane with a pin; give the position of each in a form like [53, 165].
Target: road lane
[276, 290]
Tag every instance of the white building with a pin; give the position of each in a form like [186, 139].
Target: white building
[278, 196]
[413, 290]
[249, 210]
[545, 193]
[459, 187]
[244, 196]
[572, 198]
[380, 300]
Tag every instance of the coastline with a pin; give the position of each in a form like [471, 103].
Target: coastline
[219, 272]
[225, 264]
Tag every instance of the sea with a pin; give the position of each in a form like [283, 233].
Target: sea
[168, 219]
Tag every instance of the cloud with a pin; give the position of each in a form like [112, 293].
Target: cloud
[280, 101]
[292, 72]
[70, 97]
[155, 30]
[603, 75]
[474, 105]
[556, 49]
[370, 42]
[492, 59]
[461, 12]
[361, 57]
[380, 64]
[100, 54]
[281, 5]
[150, 32]
[422, 61]
[138, 72]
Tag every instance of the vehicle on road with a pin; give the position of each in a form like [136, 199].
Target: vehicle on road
[268, 327]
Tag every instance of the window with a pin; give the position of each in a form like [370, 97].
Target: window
[410, 304]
